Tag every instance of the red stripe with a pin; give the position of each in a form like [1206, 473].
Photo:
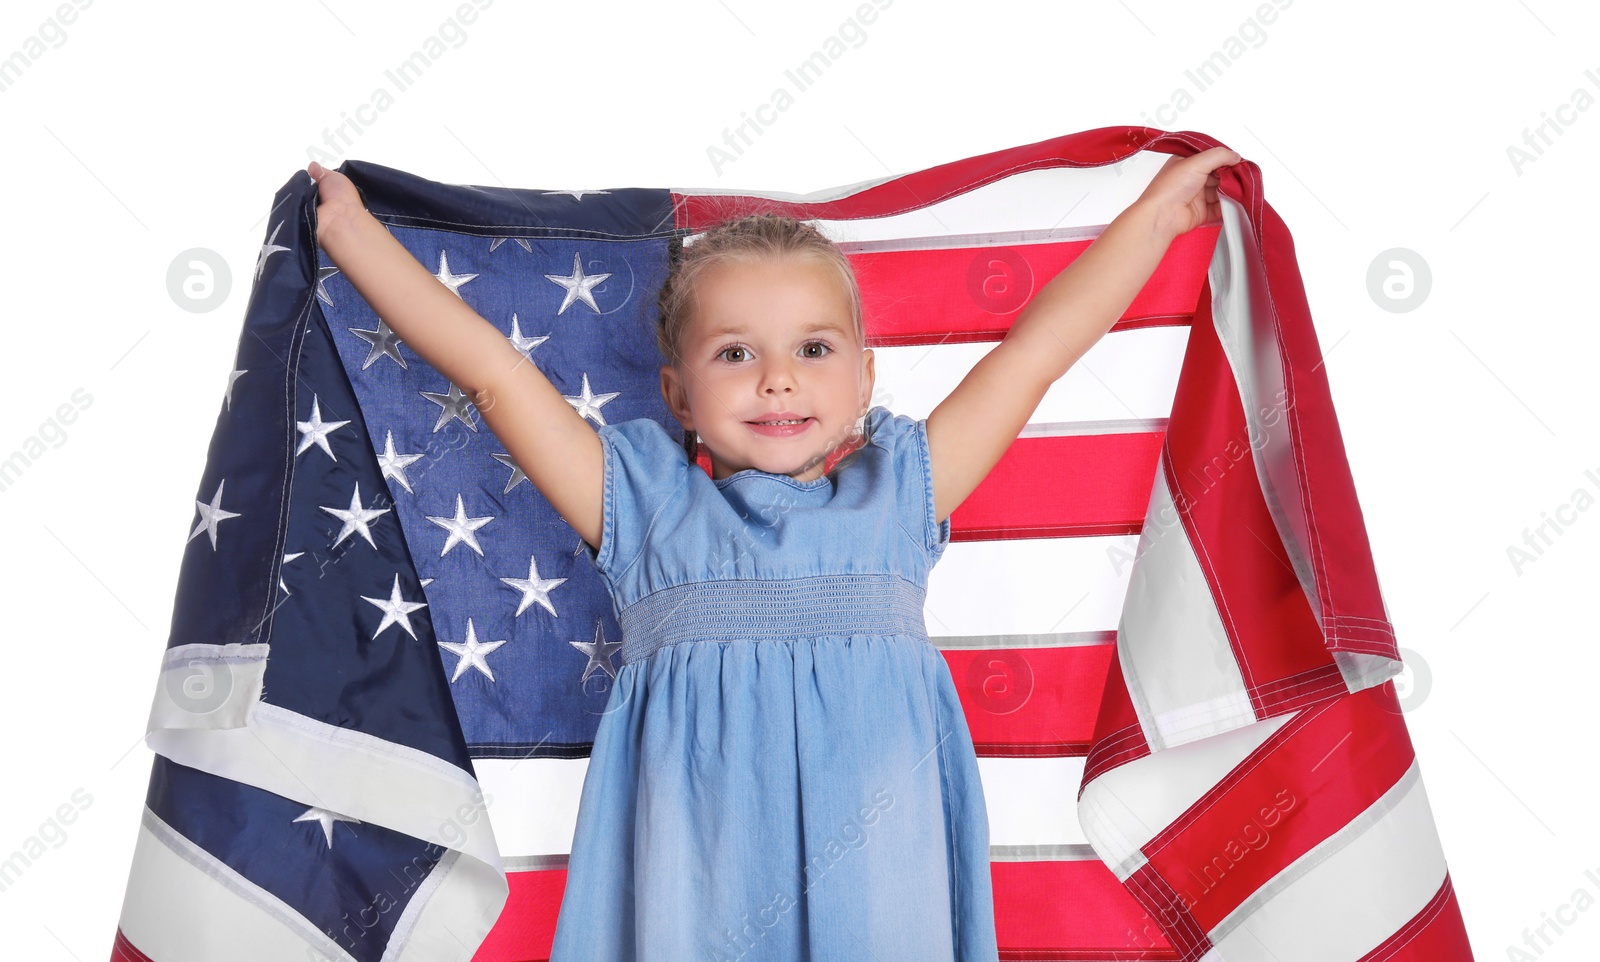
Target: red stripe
[975, 293]
[1030, 702]
[527, 924]
[1070, 910]
[1437, 933]
[1118, 736]
[1089, 148]
[1210, 467]
[1156, 897]
[1341, 556]
[124, 951]
[1045, 910]
[1067, 486]
[1299, 788]
[1054, 487]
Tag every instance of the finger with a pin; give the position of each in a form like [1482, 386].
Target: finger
[1215, 157]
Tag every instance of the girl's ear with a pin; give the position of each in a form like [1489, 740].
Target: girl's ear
[672, 392]
[868, 379]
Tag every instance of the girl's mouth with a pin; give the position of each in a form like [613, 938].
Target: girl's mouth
[780, 429]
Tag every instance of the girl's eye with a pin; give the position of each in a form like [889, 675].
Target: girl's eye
[826, 349]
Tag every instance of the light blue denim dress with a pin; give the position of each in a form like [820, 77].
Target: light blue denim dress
[783, 772]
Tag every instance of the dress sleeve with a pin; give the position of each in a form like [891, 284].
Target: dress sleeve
[644, 468]
[906, 440]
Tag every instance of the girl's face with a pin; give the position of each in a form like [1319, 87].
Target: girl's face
[770, 339]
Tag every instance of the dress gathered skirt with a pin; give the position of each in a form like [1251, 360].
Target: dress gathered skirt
[783, 771]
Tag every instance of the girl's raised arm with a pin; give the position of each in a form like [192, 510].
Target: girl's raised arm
[971, 428]
[550, 441]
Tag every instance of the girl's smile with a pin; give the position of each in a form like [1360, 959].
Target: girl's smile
[770, 341]
[782, 424]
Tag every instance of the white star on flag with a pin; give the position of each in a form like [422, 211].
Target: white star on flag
[394, 465]
[579, 286]
[210, 515]
[233, 376]
[316, 430]
[533, 588]
[517, 474]
[355, 518]
[396, 610]
[385, 343]
[452, 404]
[524, 344]
[268, 249]
[599, 652]
[472, 652]
[326, 819]
[452, 281]
[461, 528]
[588, 403]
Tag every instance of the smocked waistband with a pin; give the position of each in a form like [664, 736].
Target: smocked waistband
[772, 610]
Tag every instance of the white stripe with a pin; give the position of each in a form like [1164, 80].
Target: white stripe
[1246, 328]
[1029, 586]
[1042, 853]
[1047, 199]
[1058, 639]
[533, 802]
[1124, 808]
[336, 768]
[1341, 899]
[208, 686]
[453, 908]
[182, 905]
[815, 197]
[1182, 676]
[966, 241]
[1029, 800]
[1130, 374]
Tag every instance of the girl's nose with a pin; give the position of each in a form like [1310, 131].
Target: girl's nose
[776, 376]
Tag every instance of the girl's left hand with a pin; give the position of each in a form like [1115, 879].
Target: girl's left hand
[1184, 191]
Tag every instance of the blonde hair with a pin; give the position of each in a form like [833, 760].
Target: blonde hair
[752, 237]
[761, 236]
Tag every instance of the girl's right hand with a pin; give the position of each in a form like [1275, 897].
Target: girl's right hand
[337, 198]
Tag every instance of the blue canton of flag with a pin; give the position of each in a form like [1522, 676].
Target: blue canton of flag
[373, 593]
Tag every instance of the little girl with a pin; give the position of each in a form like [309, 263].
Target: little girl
[783, 771]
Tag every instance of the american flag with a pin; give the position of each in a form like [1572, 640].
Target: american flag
[389, 654]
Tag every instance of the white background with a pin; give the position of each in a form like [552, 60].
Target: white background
[154, 128]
